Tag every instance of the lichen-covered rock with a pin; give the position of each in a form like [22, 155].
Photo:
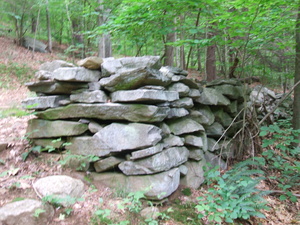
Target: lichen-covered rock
[195, 175]
[184, 126]
[89, 97]
[210, 96]
[43, 102]
[76, 74]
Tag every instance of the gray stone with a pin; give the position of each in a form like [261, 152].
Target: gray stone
[92, 63]
[150, 212]
[112, 66]
[76, 162]
[172, 141]
[43, 102]
[177, 113]
[212, 145]
[108, 111]
[230, 91]
[55, 64]
[3, 146]
[46, 129]
[195, 175]
[117, 137]
[196, 154]
[94, 127]
[234, 82]
[89, 97]
[156, 186]
[183, 170]
[194, 93]
[228, 149]
[34, 44]
[215, 160]
[181, 88]
[257, 97]
[54, 87]
[134, 79]
[184, 126]
[22, 212]
[146, 152]
[46, 143]
[144, 95]
[94, 86]
[43, 75]
[202, 115]
[183, 103]
[222, 117]
[60, 186]
[210, 96]
[193, 141]
[153, 87]
[86, 145]
[76, 74]
[215, 130]
[159, 162]
[204, 140]
[107, 164]
[231, 108]
[171, 71]
[188, 82]
[164, 129]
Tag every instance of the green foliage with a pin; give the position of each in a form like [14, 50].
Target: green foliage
[37, 212]
[58, 201]
[282, 156]
[233, 195]
[184, 213]
[12, 112]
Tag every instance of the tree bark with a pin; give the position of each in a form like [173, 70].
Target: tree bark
[48, 27]
[104, 44]
[211, 71]
[169, 50]
[296, 103]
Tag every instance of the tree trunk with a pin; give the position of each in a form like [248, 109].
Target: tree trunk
[211, 71]
[169, 50]
[104, 44]
[296, 104]
[48, 27]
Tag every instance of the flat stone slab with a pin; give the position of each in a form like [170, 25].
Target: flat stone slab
[193, 141]
[76, 74]
[118, 137]
[108, 111]
[177, 113]
[22, 212]
[157, 186]
[183, 103]
[159, 162]
[38, 128]
[60, 186]
[146, 152]
[181, 88]
[43, 102]
[144, 95]
[107, 163]
[86, 145]
[55, 64]
[184, 126]
[55, 87]
[172, 141]
[89, 97]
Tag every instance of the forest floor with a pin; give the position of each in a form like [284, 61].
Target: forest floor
[17, 176]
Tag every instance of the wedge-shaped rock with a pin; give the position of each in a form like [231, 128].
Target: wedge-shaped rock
[193, 141]
[117, 137]
[196, 154]
[194, 93]
[61, 187]
[159, 162]
[55, 87]
[172, 141]
[202, 115]
[215, 130]
[217, 82]
[222, 117]
[156, 186]
[195, 175]
[146, 152]
[134, 79]
[112, 66]
[171, 71]
[92, 63]
[230, 91]
[183, 103]
[43, 102]
[46, 129]
[86, 146]
[177, 113]
[144, 95]
[210, 96]
[89, 97]
[76, 74]
[184, 126]
[181, 88]
[23, 211]
[108, 111]
[212, 145]
[107, 163]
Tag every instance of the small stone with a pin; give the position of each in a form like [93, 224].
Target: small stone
[92, 62]
[89, 97]
[107, 163]
[150, 213]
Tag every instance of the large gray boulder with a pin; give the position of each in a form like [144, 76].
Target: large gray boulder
[22, 212]
[43, 102]
[76, 74]
[34, 44]
[134, 79]
[159, 162]
[60, 186]
[112, 66]
[156, 186]
[118, 137]
[195, 175]
[46, 129]
[55, 87]
[144, 95]
[108, 111]
[89, 97]
[184, 126]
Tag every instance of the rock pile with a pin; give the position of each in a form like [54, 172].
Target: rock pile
[151, 126]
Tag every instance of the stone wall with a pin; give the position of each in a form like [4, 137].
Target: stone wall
[151, 126]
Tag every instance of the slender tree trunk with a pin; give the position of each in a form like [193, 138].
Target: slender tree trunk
[296, 104]
[104, 44]
[48, 27]
[211, 71]
[169, 50]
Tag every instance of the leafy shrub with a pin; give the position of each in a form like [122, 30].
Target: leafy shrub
[234, 196]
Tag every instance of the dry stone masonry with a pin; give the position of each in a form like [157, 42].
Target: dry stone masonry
[152, 127]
